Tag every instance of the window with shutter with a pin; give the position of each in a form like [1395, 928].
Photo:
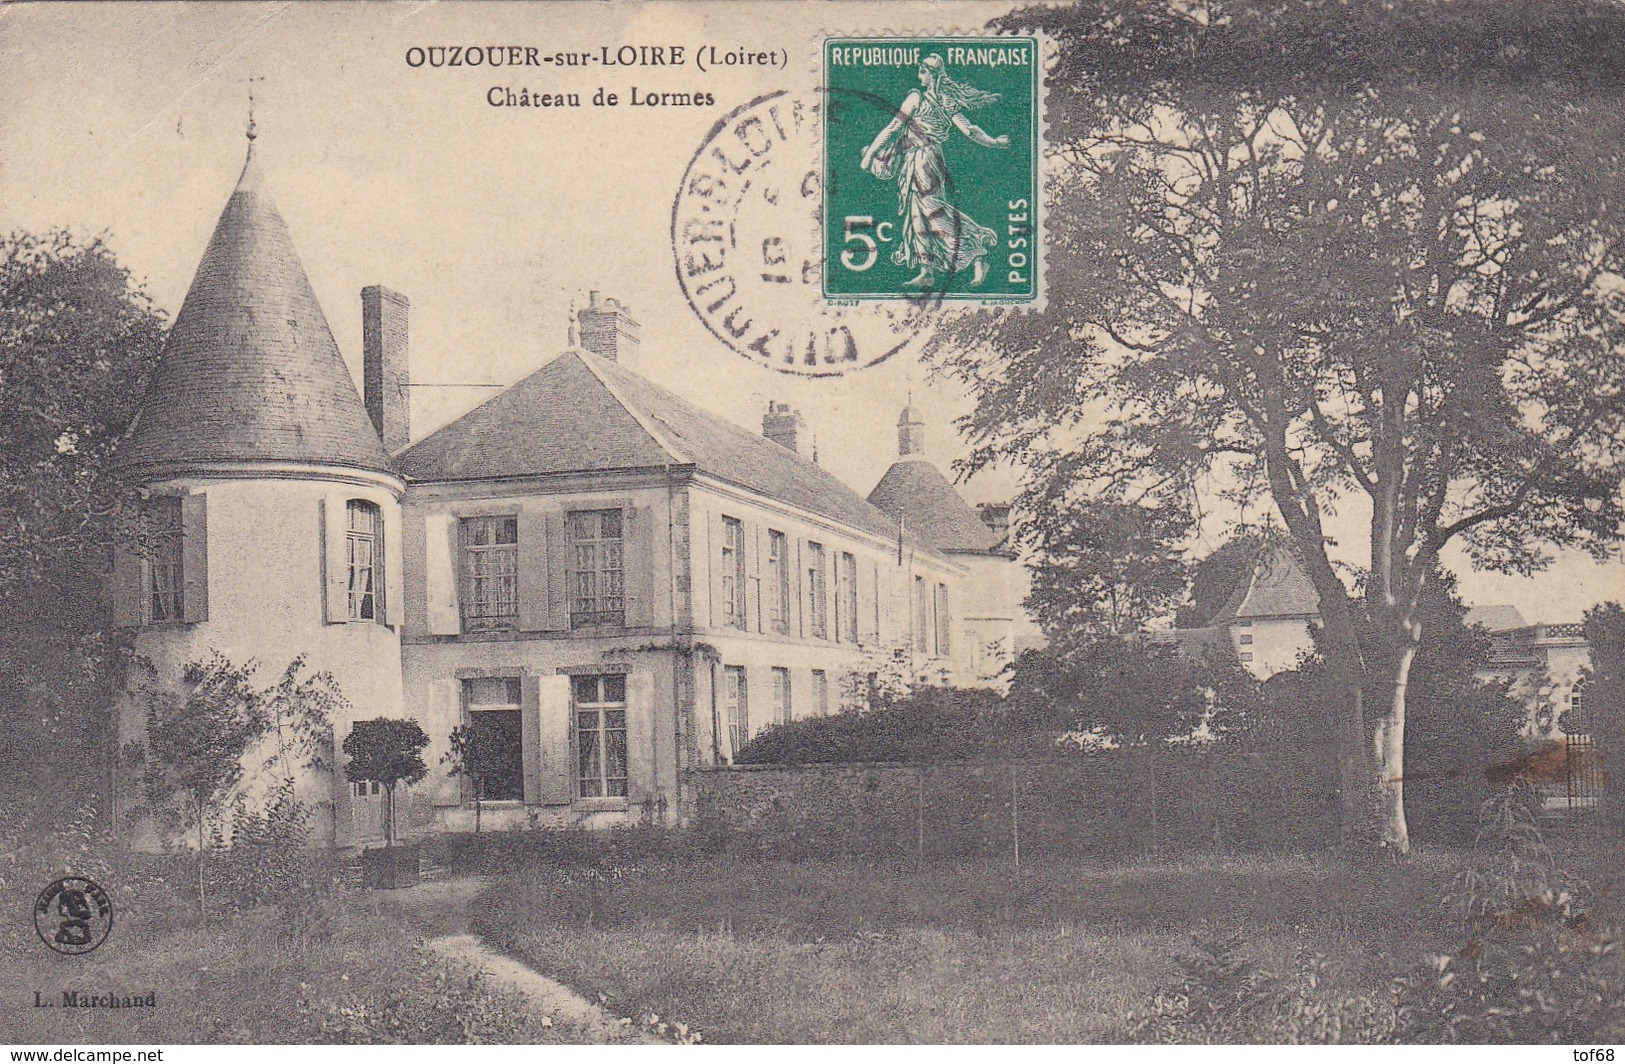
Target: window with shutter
[817, 592]
[736, 703]
[600, 725]
[734, 613]
[597, 575]
[782, 709]
[490, 548]
[944, 622]
[778, 582]
[846, 596]
[164, 568]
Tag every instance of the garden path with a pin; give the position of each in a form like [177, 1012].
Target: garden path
[440, 910]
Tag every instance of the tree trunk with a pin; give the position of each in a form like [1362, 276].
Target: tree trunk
[389, 816]
[1355, 794]
[1388, 740]
[202, 897]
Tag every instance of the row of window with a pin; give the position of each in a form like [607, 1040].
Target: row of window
[736, 700]
[163, 556]
[779, 602]
[490, 570]
[932, 618]
[597, 735]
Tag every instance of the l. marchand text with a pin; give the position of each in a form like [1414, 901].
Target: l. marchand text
[78, 999]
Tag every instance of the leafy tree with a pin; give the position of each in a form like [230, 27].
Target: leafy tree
[1215, 578]
[1102, 567]
[883, 676]
[203, 730]
[386, 751]
[1306, 253]
[1134, 690]
[78, 338]
[474, 754]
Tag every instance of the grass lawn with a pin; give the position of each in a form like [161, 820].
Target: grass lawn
[749, 950]
[339, 967]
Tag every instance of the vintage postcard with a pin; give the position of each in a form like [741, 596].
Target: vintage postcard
[765, 523]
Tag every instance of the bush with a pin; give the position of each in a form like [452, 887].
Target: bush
[932, 724]
[1223, 996]
[1538, 967]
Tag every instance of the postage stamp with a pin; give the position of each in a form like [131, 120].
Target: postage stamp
[931, 168]
[745, 242]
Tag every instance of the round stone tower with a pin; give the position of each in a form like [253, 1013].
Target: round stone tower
[272, 523]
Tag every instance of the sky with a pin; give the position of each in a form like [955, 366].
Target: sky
[128, 121]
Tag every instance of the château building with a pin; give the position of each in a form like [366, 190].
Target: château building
[612, 583]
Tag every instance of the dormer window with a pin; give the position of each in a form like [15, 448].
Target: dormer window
[364, 551]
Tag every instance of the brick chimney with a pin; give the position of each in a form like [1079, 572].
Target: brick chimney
[608, 331]
[386, 374]
[786, 427]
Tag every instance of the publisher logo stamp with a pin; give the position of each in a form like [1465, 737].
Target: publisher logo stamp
[73, 915]
[930, 169]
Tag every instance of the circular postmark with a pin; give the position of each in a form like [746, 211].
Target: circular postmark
[73, 915]
[747, 244]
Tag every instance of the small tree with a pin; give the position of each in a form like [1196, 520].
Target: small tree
[1605, 693]
[198, 731]
[476, 755]
[201, 729]
[386, 751]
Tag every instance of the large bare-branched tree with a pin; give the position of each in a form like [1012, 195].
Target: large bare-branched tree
[1360, 257]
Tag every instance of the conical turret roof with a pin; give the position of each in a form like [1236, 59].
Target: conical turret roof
[250, 371]
[915, 492]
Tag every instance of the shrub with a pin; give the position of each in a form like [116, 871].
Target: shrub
[932, 724]
[1546, 985]
[1223, 996]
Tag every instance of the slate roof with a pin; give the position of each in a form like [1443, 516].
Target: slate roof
[250, 371]
[1498, 618]
[1278, 587]
[583, 413]
[915, 492]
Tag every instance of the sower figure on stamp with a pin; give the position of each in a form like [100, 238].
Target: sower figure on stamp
[937, 237]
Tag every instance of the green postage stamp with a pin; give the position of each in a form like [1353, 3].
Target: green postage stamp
[931, 169]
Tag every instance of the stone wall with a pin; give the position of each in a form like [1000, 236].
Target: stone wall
[1111, 803]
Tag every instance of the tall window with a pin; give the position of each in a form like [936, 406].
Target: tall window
[846, 599]
[922, 611]
[944, 622]
[600, 712]
[491, 706]
[733, 573]
[736, 701]
[164, 581]
[817, 591]
[778, 582]
[597, 594]
[490, 598]
[782, 711]
[820, 684]
[364, 547]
